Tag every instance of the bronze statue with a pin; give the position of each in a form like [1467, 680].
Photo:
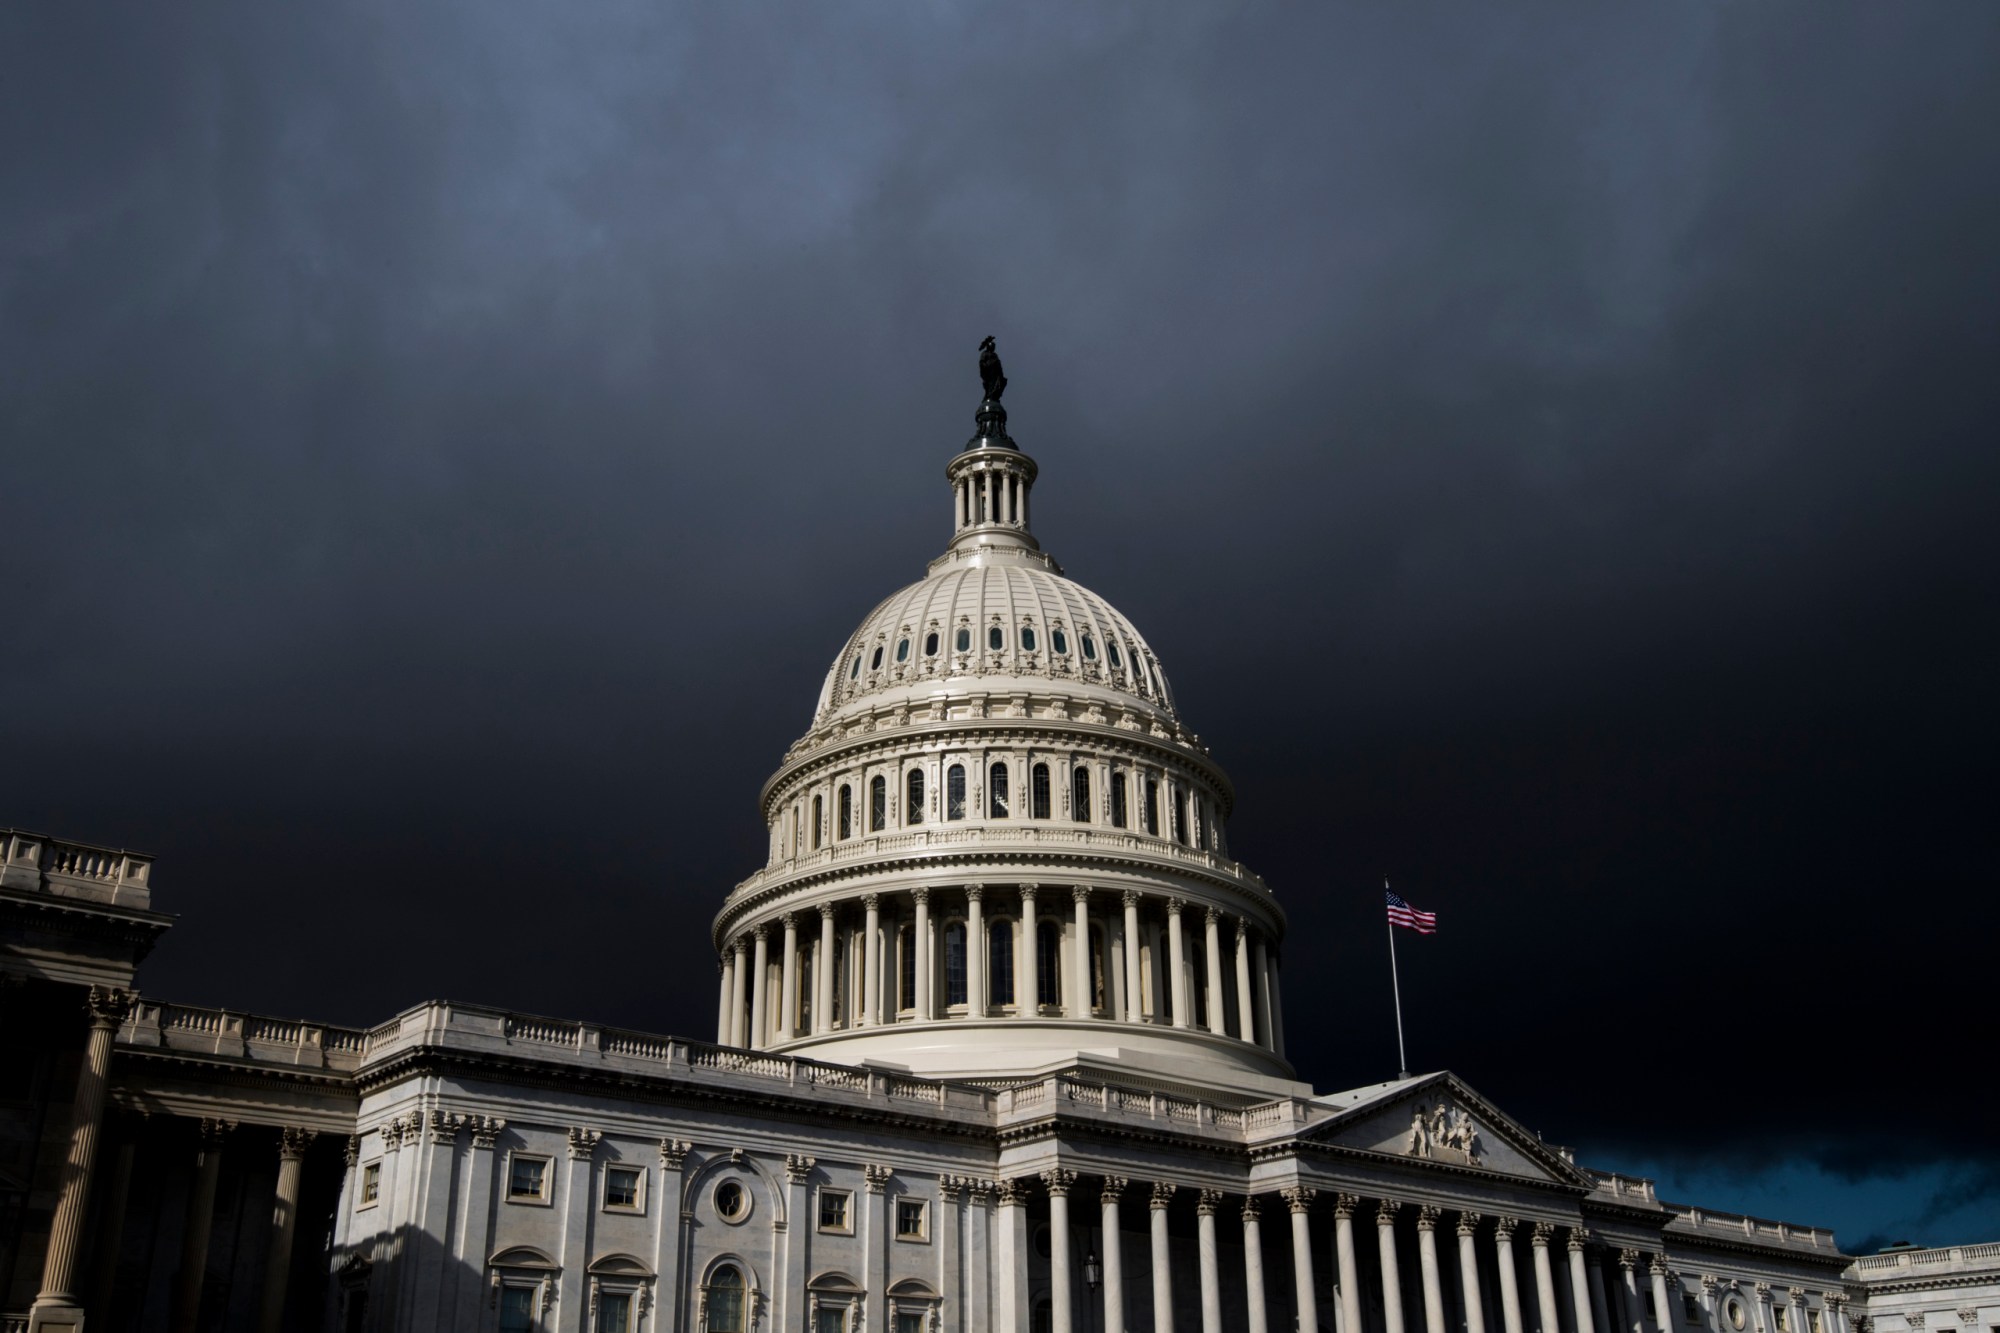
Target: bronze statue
[989, 371]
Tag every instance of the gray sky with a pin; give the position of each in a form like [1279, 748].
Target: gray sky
[1551, 447]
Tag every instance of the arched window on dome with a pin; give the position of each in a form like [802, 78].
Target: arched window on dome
[964, 639]
[724, 1305]
[1089, 647]
[1149, 807]
[903, 649]
[1027, 638]
[1059, 641]
[1038, 792]
[846, 812]
[906, 969]
[931, 644]
[996, 792]
[854, 673]
[878, 803]
[1048, 962]
[1118, 817]
[1111, 651]
[1000, 961]
[954, 963]
[913, 797]
[1079, 795]
[875, 662]
[996, 639]
[954, 792]
[819, 818]
[1179, 800]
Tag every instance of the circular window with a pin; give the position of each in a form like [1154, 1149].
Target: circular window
[1027, 639]
[902, 650]
[1056, 638]
[964, 640]
[1089, 648]
[1734, 1309]
[930, 644]
[732, 1201]
[995, 639]
[875, 662]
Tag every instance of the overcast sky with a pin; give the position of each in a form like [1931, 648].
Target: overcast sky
[443, 445]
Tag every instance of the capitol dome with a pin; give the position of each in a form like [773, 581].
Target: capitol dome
[997, 851]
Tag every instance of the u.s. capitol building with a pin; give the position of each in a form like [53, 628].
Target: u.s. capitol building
[1000, 1045]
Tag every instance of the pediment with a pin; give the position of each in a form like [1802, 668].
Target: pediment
[1438, 1119]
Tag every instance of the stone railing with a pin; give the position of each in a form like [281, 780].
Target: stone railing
[1946, 1259]
[1633, 1189]
[272, 1041]
[1019, 836]
[42, 864]
[1069, 1097]
[13, 1323]
[1762, 1230]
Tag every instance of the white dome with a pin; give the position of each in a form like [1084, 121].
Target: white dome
[939, 634]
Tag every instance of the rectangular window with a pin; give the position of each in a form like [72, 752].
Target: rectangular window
[912, 1218]
[954, 968]
[1812, 1321]
[834, 1215]
[371, 1185]
[1149, 809]
[1039, 792]
[1000, 961]
[1780, 1317]
[830, 1319]
[909, 1323]
[996, 792]
[1079, 797]
[954, 792]
[528, 1178]
[906, 968]
[1180, 814]
[1118, 800]
[878, 805]
[622, 1186]
[517, 1309]
[614, 1312]
[1690, 1307]
[1048, 963]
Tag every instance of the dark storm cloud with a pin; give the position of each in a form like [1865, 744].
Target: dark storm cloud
[1551, 448]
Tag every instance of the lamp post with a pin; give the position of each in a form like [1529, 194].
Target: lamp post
[1091, 1274]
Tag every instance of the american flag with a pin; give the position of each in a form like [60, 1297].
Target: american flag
[1402, 914]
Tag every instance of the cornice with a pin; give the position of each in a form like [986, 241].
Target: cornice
[1302, 1147]
[85, 918]
[1054, 1126]
[1908, 1286]
[237, 1071]
[1690, 1239]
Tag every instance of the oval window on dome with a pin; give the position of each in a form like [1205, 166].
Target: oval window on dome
[996, 638]
[930, 644]
[875, 662]
[855, 673]
[1027, 638]
[1111, 650]
[1058, 641]
[902, 650]
[1089, 649]
[964, 639]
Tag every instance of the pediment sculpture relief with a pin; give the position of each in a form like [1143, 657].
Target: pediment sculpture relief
[1443, 1132]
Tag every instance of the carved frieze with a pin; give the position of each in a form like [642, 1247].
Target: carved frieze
[1443, 1131]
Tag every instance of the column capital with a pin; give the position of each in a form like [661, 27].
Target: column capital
[1344, 1205]
[790, 921]
[445, 1126]
[1579, 1237]
[1163, 1193]
[920, 895]
[1130, 897]
[293, 1142]
[1080, 892]
[1174, 906]
[875, 1177]
[1207, 1203]
[1251, 1208]
[1242, 930]
[1212, 916]
[1427, 1217]
[1385, 1212]
[107, 1006]
[1057, 1180]
[1113, 1190]
[1798, 1294]
[1299, 1198]
[952, 1188]
[1710, 1283]
[1660, 1269]
[799, 1167]
[871, 901]
[214, 1132]
[583, 1142]
[974, 892]
[1628, 1258]
[352, 1152]
[1763, 1289]
[1543, 1234]
[1012, 1192]
[673, 1152]
[741, 945]
[981, 1189]
[1915, 1318]
[1027, 892]
[1468, 1223]
[1503, 1227]
[827, 911]
[762, 930]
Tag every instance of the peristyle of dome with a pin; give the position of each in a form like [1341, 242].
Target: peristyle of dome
[997, 850]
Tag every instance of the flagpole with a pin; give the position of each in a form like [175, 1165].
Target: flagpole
[1402, 1059]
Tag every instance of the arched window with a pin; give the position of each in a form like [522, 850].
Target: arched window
[954, 792]
[1201, 824]
[1038, 792]
[1118, 819]
[1089, 648]
[906, 968]
[819, 818]
[903, 649]
[913, 794]
[1000, 961]
[878, 803]
[1027, 638]
[1059, 641]
[1098, 1000]
[996, 638]
[964, 639]
[1079, 795]
[954, 963]
[1175, 795]
[1048, 962]
[1149, 808]
[996, 792]
[1111, 651]
[875, 662]
[725, 1300]
[855, 674]
[846, 812]
[930, 644]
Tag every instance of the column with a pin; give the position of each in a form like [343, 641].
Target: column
[292, 1144]
[975, 951]
[1213, 940]
[954, 1286]
[1261, 985]
[877, 1242]
[1253, 1267]
[921, 940]
[739, 980]
[1468, 1273]
[1058, 1182]
[1299, 1199]
[979, 1310]
[1135, 1003]
[1635, 1321]
[1599, 1318]
[1580, 1280]
[1026, 1003]
[823, 972]
[1079, 1005]
[1246, 1007]
[760, 1009]
[111, 1212]
[1163, 1260]
[485, 1132]
[1392, 1282]
[1012, 1258]
[722, 1001]
[1114, 1254]
[1545, 1277]
[1177, 963]
[194, 1232]
[788, 1018]
[1277, 1003]
[1211, 1272]
[59, 1302]
[871, 953]
[1347, 1270]
[1427, 1261]
[1510, 1283]
[1668, 1315]
[792, 1299]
